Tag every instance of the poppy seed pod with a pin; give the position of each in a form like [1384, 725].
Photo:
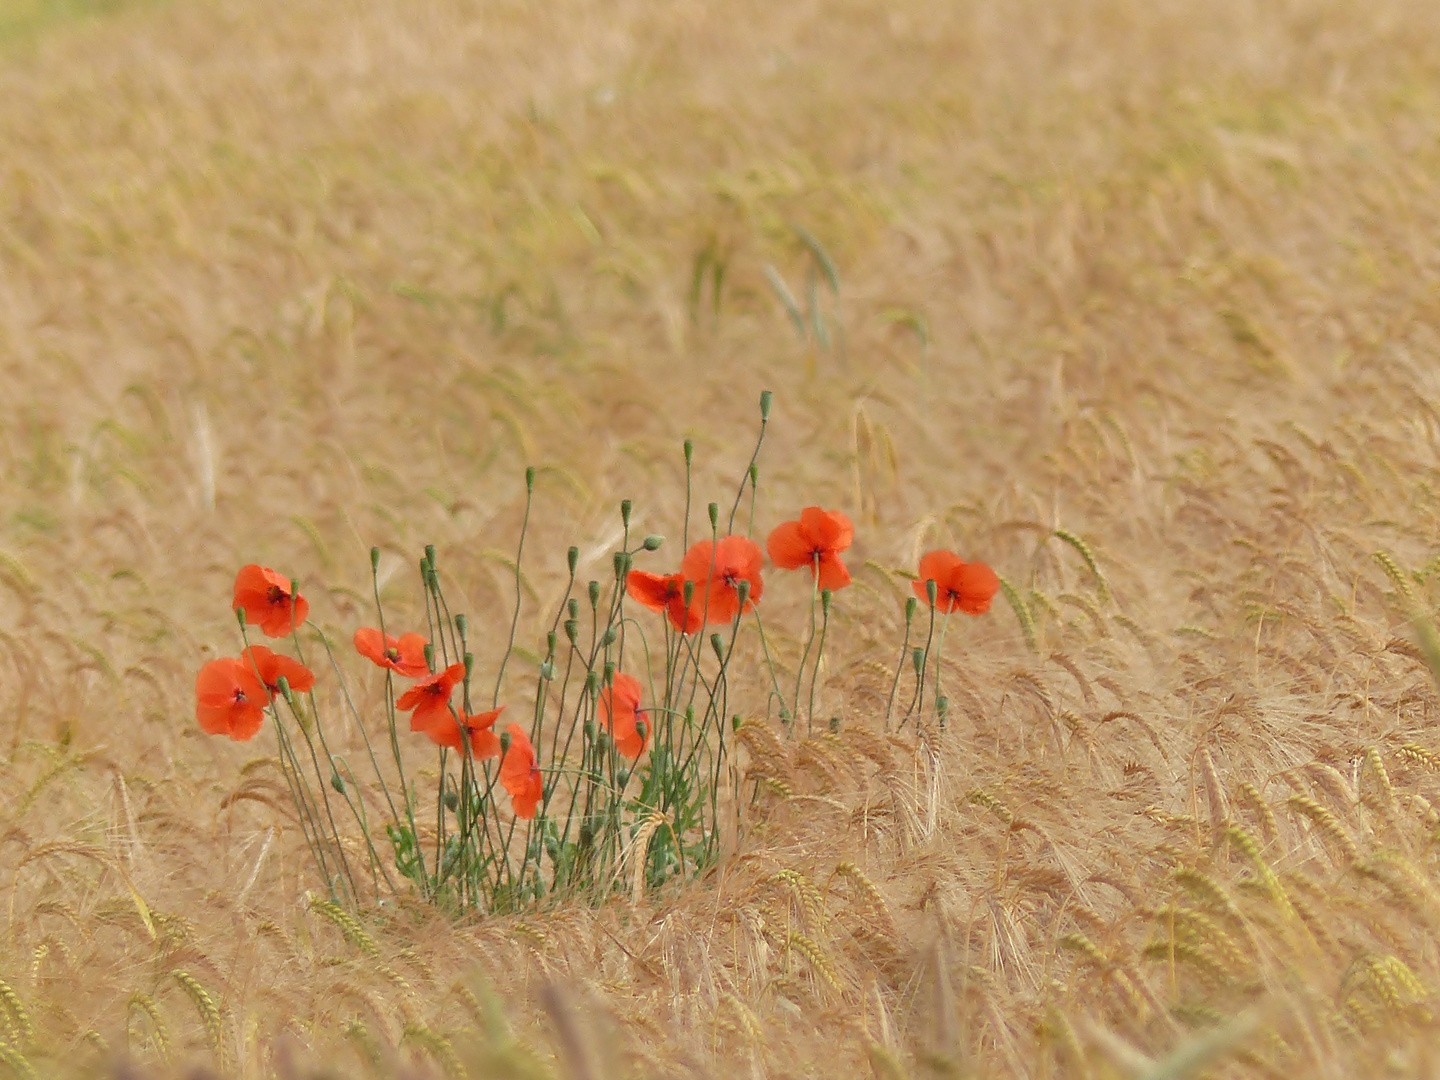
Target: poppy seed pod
[572, 558]
[652, 543]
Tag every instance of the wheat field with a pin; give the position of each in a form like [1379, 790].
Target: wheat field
[1136, 300]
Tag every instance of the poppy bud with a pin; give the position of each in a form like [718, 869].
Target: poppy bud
[623, 777]
[469, 664]
[608, 638]
[942, 708]
[689, 450]
[547, 671]
[642, 728]
[735, 722]
[572, 630]
[572, 558]
[550, 640]
[714, 516]
[282, 684]
[337, 782]
[591, 730]
[504, 743]
[834, 725]
[430, 657]
[652, 543]
[917, 657]
[574, 608]
[688, 593]
[374, 560]
[825, 597]
[689, 716]
[430, 555]
[765, 398]
[932, 590]
[240, 616]
[609, 673]
[910, 605]
[529, 479]
[718, 644]
[462, 625]
[742, 591]
[592, 681]
[618, 561]
[452, 801]
[625, 507]
[594, 594]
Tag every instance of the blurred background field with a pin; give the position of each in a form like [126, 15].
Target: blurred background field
[280, 281]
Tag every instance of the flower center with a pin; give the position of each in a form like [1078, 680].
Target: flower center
[277, 595]
[392, 654]
[239, 696]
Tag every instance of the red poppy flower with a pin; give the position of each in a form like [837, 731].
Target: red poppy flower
[620, 712]
[717, 570]
[229, 699]
[816, 541]
[404, 655]
[520, 774]
[967, 586]
[269, 600]
[664, 592]
[272, 666]
[444, 730]
[430, 699]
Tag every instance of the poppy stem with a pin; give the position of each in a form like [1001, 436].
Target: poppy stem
[819, 656]
[900, 664]
[519, 554]
[754, 456]
[920, 667]
[769, 664]
[809, 641]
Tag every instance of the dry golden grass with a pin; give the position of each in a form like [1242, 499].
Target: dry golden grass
[282, 280]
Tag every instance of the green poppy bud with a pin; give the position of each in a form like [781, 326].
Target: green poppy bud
[652, 543]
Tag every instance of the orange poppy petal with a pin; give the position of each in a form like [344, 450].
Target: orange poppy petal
[978, 585]
[789, 546]
[371, 644]
[833, 574]
[652, 590]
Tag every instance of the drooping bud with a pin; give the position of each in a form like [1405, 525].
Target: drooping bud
[337, 782]
[608, 638]
[642, 729]
[653, 542]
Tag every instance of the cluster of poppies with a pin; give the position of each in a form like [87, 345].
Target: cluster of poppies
[718, 581]
[719, 578]
[232, 692]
